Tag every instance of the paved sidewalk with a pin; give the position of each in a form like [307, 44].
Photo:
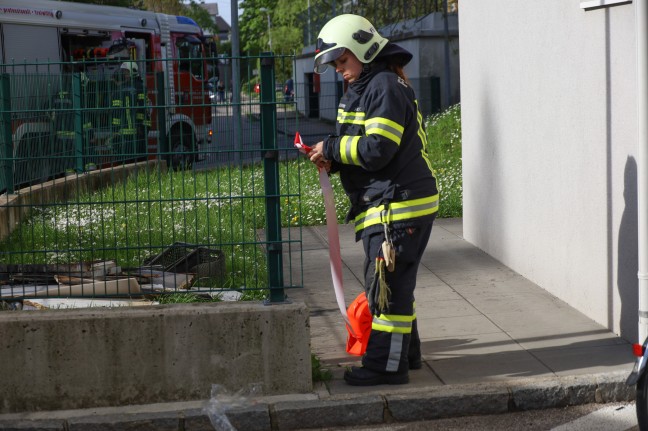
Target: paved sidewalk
[492, 342]
[479, 321]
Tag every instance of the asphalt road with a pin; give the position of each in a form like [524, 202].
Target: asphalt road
[237, 141]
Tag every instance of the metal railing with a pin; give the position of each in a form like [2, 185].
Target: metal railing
[111, 194]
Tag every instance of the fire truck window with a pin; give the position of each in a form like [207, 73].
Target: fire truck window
[190, 55]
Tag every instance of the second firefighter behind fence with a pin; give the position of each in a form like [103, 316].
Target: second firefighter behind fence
[130, 119]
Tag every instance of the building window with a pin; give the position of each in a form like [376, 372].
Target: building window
[595, 4]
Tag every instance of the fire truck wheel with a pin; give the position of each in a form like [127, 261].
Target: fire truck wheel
[181, 156]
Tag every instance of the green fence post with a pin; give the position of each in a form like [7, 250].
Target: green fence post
[160, 109]
[271, 177]
[78, 125]
[5, 132]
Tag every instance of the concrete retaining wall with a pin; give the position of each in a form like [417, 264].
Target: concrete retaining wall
[70, 359]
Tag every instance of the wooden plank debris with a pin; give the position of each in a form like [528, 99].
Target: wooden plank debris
[123, 286]
[176, 269]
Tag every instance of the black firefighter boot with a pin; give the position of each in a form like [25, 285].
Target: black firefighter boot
[361, 376]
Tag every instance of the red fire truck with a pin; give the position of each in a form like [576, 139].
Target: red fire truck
[43, 41]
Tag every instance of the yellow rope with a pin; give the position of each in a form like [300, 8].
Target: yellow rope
[383, 288]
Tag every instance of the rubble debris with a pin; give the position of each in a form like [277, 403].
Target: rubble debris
[39, 279]
[182, 257]
[10, 305]
[176, 268]
[47, 274]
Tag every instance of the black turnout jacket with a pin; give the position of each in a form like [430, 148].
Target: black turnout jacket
[380, 153]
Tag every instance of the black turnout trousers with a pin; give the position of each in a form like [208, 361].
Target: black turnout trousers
[394, 338]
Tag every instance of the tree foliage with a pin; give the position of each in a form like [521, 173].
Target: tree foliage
[385, 12]
[253, 25]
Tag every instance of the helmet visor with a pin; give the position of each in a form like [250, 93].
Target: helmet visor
[323, 61]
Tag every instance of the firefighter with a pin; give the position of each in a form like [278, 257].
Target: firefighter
[379, 151]
[62, 114]
[130, 120]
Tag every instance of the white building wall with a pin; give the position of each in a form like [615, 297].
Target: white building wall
[328, 98]
[549, 135]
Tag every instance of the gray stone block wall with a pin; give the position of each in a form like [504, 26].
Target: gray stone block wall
[70, 359]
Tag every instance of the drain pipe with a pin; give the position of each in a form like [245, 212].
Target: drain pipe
[641, 29]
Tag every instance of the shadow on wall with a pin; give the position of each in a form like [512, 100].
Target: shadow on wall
[486, 182]
[627, 265]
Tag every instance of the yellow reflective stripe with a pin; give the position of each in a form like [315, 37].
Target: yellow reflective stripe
[386, 328]
[398, 211]
[423, 137]
[116, 103]
[349, 150]
[116, 122]
[421, 129]
[141, 96]
[65, 134]
[393, 323]
[384, 127]
[395, 318]
[127, 131]
[350, 117]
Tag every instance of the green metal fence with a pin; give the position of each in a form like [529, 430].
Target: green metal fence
[159, 188]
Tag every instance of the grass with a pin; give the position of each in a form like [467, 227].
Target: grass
[319, 374]
[185, 298]
[139, 218]
[444, 149]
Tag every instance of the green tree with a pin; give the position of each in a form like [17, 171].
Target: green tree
[289, 26]
[253, 25]
[284, 28]
[380, 12]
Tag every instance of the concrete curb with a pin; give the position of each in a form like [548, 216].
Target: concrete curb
[298, 412]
